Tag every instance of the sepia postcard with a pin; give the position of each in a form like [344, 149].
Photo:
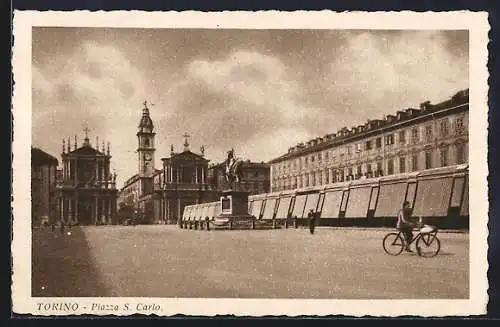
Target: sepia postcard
[250, 163]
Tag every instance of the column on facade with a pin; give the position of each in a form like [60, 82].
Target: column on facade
[61, 207]
[109, 211]
[70, 209]
[96, 210]
[196, 174]
[76, 208]
[75, 170]
[330, 175]
[203, 174]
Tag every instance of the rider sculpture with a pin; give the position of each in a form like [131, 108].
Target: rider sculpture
[233, 169]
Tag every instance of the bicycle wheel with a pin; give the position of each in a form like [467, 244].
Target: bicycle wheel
[393, 244]
[428, 245]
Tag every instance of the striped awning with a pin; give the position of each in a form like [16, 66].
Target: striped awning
[433, 197]
[357, 206]
[331, 204]
[269, 208]
[256, 207]
[298, 208]
[464, 210]
[390, 199]
[311, 202]
[283, 207]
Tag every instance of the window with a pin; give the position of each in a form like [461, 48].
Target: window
[349, 150]
[327, 177]
[326, 155]
[402, 164]
[368, 145]
[460, 148]
[358, 171]
[349, 172]
[443, 128]
[389, 139]
[305, 160]
[390, 166]
[312, 158]
[414, 163]
[378, 142]
[428, 159]
[414, 135]
[313, 179]
[402, 137]
[459, 126]
[320, 156]
[428, 133]
[146, 142]
[358, 147]
[443, 155]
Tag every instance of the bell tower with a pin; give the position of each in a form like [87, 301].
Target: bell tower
[146, 145]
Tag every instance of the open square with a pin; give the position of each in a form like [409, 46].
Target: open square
[164, 261]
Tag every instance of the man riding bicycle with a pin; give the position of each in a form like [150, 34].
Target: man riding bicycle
[405, 225]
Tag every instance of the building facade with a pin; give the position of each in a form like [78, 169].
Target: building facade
[137, 191]
[435, 135]
[182, 181]
[86, 188]
[255, 177]
[43, 187]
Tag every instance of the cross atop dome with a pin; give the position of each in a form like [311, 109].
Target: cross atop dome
[186, 143]
[86, 141]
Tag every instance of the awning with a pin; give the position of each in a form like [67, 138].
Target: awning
[390, 199]
[217, 210]
[283, 207]
[311, 202]
[257, 205]
[456, 195]
[464, 211]
[359, 198]
[331, 204]
[185, 214]
[269, 209]
[433, 197]
[298, 208]
[410, 195]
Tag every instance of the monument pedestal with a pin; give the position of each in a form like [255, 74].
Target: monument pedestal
[234, 208]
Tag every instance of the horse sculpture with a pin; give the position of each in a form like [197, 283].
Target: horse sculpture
[233, 169]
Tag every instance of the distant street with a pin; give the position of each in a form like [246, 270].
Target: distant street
[165, 261]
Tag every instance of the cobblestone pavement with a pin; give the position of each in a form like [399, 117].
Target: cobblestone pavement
[165, 261]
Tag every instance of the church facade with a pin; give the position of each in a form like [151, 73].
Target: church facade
[86, 191]
[182, 181]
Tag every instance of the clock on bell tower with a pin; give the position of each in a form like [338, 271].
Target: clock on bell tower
[145, 139]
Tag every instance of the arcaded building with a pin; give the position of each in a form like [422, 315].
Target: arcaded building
[434, 135]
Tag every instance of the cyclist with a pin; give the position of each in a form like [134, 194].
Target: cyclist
[405, 225]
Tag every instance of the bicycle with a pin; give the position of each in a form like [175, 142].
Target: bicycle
[426, 242]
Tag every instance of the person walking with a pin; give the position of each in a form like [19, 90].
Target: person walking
[311, 216]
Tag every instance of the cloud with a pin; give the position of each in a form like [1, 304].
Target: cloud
[256, 92]
[95, 86]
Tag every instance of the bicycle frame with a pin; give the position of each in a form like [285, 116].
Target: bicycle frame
[418, 235]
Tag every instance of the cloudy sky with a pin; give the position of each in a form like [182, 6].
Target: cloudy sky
[257, 91]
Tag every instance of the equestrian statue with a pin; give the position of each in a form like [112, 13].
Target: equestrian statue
[233, 169]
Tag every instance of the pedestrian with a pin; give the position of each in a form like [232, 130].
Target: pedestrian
[311, 216]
